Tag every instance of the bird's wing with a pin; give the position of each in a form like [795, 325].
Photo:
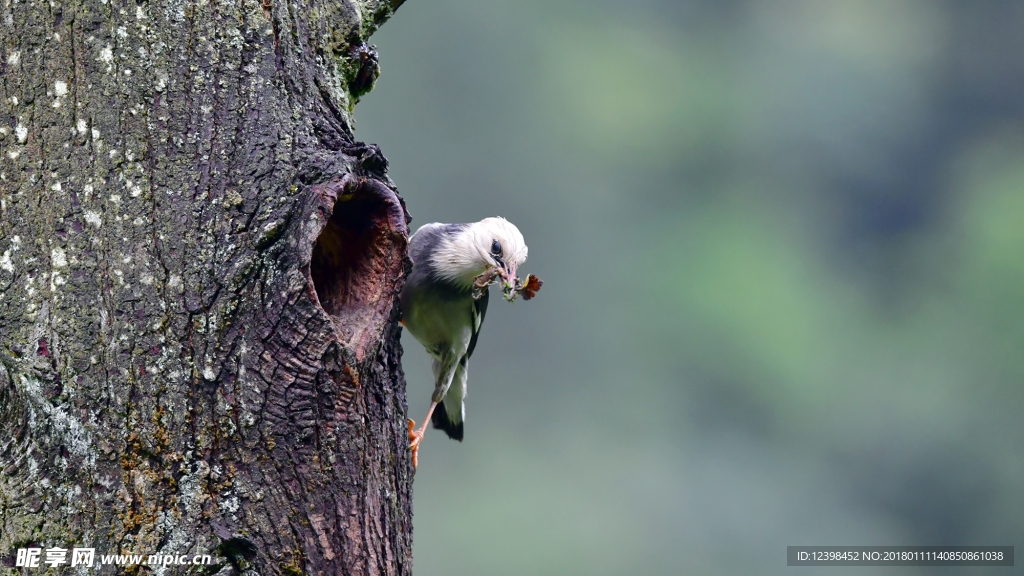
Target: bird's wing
[479, 311]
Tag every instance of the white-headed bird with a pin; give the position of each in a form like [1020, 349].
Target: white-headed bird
[439, 308]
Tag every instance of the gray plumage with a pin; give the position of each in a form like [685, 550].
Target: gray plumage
[438, 305]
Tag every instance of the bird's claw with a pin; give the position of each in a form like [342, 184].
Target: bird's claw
[414, 442]
[414, 437]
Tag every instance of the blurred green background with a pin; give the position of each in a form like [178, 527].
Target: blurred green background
[783, 247]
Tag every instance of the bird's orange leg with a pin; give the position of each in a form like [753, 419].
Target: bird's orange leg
[416, 436]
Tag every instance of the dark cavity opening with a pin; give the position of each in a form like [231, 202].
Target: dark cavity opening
[357, 260]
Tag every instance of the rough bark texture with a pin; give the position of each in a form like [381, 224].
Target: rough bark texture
[198, 264]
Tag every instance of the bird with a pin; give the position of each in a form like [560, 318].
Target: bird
[439, 308]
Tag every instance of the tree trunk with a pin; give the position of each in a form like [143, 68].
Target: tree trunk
[198, 268]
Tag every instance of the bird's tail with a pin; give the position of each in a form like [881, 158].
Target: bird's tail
[450, 414]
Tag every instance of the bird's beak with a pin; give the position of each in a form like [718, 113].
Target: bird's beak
[510, 276]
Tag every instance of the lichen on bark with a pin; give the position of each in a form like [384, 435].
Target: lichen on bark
[170, 381]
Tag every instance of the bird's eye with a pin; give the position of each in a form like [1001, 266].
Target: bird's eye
[496, 248]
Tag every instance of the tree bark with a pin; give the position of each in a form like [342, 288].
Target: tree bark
[198, 267]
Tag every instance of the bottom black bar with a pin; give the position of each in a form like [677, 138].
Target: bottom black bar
[899, 555]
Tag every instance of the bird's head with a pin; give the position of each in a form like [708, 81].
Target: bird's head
[479, 246]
